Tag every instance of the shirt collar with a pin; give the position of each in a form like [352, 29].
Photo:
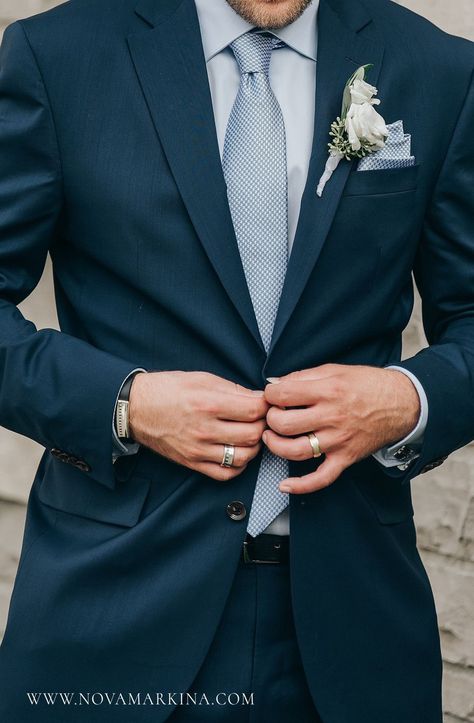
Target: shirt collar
[220, 25]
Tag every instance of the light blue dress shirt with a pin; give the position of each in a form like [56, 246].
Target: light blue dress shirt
[293, 79]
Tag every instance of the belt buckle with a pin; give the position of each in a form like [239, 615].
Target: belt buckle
[248, 559]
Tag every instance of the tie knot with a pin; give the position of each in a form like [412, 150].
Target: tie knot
[253, 51]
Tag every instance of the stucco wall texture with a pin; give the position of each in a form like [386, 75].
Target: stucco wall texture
[443, 499]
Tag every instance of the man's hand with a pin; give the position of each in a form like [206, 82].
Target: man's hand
[189, 416]
[353, 410]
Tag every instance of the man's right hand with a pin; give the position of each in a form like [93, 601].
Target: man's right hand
[189, 416]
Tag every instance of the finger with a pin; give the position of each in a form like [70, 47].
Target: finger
[289, 422]
[216, 382]
[293, 393]
[239, 407]
[240, 434]
[294, 449]
[229, 387]
[325, 475]
[320, 372]
[216, 472]
[242, 455]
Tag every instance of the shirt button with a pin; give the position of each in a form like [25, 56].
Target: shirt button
[236, 510]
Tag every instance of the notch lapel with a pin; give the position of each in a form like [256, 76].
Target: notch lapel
[341, 49]
[170, 64]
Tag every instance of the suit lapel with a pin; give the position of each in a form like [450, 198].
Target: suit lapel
[170, 64]
[171, 68]
[341, 49]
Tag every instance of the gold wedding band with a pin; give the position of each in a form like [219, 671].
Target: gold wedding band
[314, 442]
[228, 456]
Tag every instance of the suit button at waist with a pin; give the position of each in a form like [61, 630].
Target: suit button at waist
[236, 510]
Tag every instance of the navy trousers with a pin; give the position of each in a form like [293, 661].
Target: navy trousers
[254, 652]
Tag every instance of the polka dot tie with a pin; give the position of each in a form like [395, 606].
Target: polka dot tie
[255, 171]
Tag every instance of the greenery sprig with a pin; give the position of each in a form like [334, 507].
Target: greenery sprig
[340, 143]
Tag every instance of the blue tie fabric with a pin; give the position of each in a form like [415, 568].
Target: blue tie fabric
[255, 171]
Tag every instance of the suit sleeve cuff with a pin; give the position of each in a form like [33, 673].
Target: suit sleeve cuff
[121, 448]
[402, 453]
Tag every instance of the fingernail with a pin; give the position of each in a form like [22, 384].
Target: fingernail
[264, 437]
[273, 380]
[258, 392]
[285, 488]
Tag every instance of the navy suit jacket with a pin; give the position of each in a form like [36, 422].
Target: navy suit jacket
[109, 161]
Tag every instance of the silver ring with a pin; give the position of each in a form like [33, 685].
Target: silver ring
[228, 456]
[314, 442]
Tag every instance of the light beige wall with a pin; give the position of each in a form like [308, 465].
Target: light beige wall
[454, 16]
[444, 499]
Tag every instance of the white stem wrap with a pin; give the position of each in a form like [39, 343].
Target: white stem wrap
[331, 165]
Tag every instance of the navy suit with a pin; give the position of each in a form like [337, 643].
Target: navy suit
[109, 160]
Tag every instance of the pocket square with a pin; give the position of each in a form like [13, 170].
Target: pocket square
[396, 152]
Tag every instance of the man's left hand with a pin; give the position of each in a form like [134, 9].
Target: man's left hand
[353, 411]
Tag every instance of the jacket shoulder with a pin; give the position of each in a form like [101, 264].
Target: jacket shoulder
[75, 15]
[62, 37]
[427, 42]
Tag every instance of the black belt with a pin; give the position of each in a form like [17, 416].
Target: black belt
[269, 549]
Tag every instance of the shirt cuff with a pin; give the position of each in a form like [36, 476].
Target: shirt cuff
[120, 448]
[402, 453]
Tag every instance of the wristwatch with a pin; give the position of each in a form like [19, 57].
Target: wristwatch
[122, 422]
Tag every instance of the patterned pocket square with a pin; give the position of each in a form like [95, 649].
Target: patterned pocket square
[396, 152]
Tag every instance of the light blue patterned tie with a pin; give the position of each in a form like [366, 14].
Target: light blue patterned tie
[255, 171]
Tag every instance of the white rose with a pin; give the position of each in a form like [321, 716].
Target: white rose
[362, 92]
[363, 123]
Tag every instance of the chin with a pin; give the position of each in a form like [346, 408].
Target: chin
[268, 14]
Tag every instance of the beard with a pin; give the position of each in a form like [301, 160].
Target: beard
[268, 14]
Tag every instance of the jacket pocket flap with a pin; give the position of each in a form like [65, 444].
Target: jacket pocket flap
[70, 490]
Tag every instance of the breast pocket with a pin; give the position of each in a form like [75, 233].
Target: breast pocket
[382, 182]
[379, 213]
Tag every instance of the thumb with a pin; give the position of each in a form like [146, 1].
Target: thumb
[325, 475]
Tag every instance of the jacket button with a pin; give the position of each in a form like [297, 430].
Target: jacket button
[433, 465]
[83, 466]
[59, 454]
[236, 510]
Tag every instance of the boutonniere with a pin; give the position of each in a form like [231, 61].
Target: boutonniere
[359, 130]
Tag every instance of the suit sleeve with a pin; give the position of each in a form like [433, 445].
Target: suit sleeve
[54, 388]
[444, 273]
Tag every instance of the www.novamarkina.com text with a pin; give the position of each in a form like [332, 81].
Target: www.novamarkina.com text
[139, 699]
